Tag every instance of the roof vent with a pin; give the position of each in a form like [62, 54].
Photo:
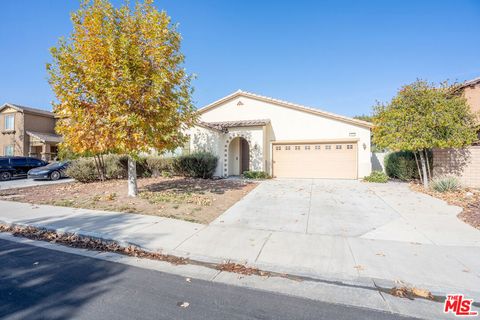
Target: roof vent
[239, 103]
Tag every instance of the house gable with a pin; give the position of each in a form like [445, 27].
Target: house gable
[23, 109]
[265, 123]
[239, 95]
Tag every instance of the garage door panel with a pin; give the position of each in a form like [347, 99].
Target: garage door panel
[315, 160]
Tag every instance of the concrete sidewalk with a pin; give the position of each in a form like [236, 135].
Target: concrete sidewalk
[439, 268]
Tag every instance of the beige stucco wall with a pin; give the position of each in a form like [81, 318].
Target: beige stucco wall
[218, 143]
[16, 139]
[289, 124]
[463, 163]
[37, 123]
[472, 94]
[203, 139]
[23, 122]
[256, 141]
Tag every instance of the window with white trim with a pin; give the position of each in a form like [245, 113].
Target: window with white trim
[8, 150]
[287, 147]
[9, 122]
[297, 147]
[349, 146]
[278, 148]
[307, 147]
[317, 147]
[328, 147]
[338, 147]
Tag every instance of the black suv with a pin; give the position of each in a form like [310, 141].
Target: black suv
[18, 166]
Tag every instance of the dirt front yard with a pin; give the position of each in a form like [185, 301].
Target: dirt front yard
[195, 200]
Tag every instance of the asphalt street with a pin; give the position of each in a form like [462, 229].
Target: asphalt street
[38, 283]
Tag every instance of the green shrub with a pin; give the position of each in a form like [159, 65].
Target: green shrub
[83, 170]
[377, 176]
[196, 165]
[167, 174]
[401, 165]
[159, 166]
[115, 166]
[445, 184]
[256, 175]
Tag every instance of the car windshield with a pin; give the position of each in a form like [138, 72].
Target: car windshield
[55, 164]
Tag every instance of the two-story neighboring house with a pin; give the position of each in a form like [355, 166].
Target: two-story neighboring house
[26, 131]
[464, 163]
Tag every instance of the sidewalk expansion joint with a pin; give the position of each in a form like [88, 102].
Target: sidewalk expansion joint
[190, 236]
[309, 207]
[263, 245]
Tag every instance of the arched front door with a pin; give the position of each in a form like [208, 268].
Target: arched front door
[238, 156]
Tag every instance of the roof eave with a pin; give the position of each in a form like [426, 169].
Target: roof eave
[44, 113]
[287, 105]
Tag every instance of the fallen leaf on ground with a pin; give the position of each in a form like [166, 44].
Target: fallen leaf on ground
[183, 304]
[423, 293]
[411, 293]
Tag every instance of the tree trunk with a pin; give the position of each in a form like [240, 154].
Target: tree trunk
[428, 165]
[99, 168]
[102, 166]
[132, 177]
[424, 170]
[418, 167]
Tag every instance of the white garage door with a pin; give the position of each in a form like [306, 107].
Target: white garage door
[315, 160]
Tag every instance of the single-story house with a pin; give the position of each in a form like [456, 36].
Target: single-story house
[463, 163]
[250, 132]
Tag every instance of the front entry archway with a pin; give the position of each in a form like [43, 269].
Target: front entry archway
[238, 156]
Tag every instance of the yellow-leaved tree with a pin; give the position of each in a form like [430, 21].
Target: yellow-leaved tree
[119, 83]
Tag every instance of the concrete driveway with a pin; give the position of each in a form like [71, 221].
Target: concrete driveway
[347, 231]
[352, 209]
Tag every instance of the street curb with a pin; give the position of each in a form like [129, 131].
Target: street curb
[367, 283]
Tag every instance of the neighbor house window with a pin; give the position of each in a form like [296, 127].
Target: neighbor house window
[297, 147]
[349, 146]
[287, 148]
[278, 148]
[338, 147]
[307, 147]
[328, 147]
[9, 122]
[317, 147]
[8, 150]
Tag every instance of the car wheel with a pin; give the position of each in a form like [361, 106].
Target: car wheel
[55, 175]
[4, 176]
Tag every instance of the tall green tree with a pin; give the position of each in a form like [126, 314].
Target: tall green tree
[363, 117]
[119, 82]
[423, 116]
